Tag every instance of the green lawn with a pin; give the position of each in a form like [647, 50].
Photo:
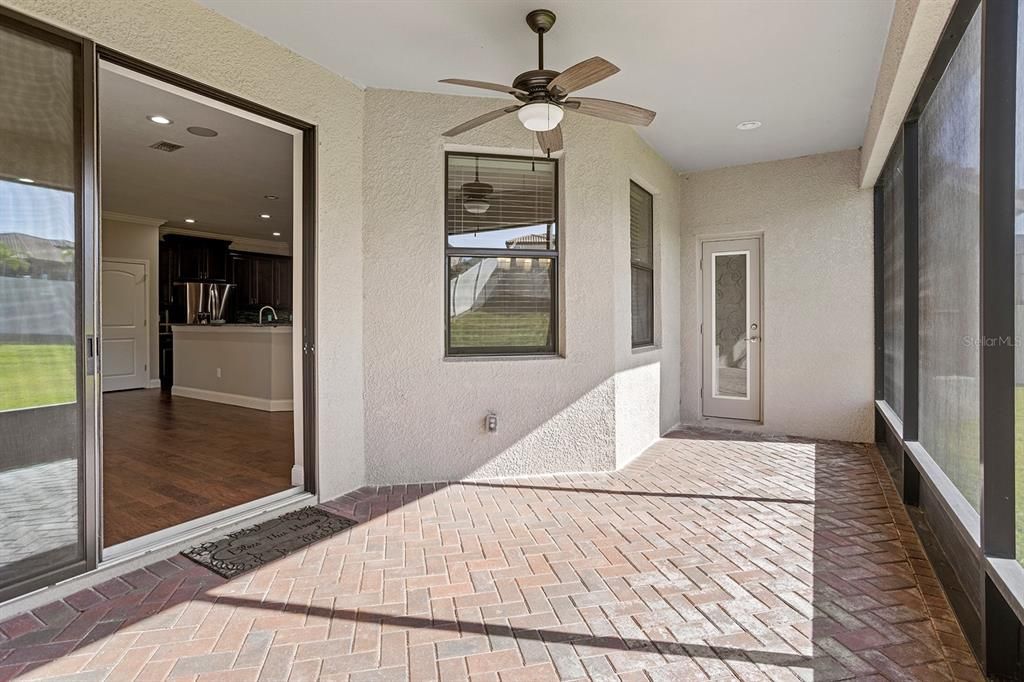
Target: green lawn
[480, 329]
[31, 376]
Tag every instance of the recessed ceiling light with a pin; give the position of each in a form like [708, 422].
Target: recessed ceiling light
[190, 220]
[277, 234]
[202, 132]
[748, 125]
[265, 216]
[28, 181]
[272, 197]
[160, 119]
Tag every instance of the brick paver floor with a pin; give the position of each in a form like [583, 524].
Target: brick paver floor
[713, 555]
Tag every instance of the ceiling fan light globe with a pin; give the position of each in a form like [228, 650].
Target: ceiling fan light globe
[476, 206]
[540, 116]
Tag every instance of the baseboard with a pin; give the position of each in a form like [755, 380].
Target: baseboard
[298, 475]
[249, 401]
[154, 383]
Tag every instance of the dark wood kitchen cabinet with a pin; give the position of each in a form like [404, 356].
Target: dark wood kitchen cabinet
[261, 279]
[194, 258]
[241, 296]
[282, 283]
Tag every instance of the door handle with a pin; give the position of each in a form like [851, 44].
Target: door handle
[753, 339]
[90, 355]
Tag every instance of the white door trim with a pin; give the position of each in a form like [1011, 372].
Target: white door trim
[750, 406]
[147, 283]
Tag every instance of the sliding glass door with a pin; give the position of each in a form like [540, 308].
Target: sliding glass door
[46, 388]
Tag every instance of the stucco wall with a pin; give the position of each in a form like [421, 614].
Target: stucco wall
[818, 325]
[139, 241]
[646, 379]
[424, 414]
[194, 41]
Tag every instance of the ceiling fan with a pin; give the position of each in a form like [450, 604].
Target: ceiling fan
[545, 93]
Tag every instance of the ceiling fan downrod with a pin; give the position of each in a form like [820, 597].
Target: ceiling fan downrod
[540, 22]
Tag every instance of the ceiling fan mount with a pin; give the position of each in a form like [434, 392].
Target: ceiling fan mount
[540, 21]
[544, 93]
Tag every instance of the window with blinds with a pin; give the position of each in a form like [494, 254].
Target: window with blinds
[501, 254]
[641, 260]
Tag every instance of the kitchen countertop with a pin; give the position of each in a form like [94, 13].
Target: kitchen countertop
[237, 328]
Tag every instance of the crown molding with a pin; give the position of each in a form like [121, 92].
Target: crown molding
[237, 243]
[134, 219]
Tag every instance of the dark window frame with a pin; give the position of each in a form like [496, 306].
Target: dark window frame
[554, 255]
[648, 340]
[978, 567]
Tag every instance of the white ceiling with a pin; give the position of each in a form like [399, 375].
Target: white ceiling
[805, 68]
[220, 181]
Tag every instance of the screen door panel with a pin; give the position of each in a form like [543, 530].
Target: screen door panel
[42, 366]
[731, 329]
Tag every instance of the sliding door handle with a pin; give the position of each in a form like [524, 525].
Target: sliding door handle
[90, 355]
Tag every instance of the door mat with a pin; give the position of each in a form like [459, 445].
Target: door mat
[257, 545]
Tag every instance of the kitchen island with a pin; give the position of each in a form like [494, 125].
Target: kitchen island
[247, 365]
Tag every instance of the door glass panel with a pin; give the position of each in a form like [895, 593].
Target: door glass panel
[731, 379]
[40, 393]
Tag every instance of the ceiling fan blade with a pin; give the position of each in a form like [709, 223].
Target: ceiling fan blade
[612, 111]
[480, 120]
[581, 75]
[484, 85]
[550, 140]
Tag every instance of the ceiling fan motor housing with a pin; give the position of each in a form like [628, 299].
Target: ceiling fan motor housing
[534, 84]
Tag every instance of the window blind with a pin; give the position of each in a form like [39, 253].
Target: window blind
[515, 197]
[641, 255]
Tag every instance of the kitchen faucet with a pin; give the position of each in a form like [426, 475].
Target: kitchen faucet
[272, 312]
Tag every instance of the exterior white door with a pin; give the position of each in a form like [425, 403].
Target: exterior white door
[731, 328]
[125, 349]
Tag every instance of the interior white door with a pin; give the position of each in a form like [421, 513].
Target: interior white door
[731, 328]
[125, 348]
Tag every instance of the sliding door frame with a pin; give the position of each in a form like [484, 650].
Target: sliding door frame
[308, 231]
[87, 228]
[86, 293]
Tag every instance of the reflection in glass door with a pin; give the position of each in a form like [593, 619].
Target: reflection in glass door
[43, 386]
[731, 329]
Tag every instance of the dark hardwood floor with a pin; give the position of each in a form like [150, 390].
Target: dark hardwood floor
[167, 460]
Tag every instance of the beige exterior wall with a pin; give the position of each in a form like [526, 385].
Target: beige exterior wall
[646, 379]
[424, 414]
[818, 324]
[191, 40]
[391, 408]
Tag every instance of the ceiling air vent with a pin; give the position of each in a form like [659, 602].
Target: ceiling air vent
[165, 146]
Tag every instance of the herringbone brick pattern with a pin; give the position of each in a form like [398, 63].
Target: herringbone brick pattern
[713, 555]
